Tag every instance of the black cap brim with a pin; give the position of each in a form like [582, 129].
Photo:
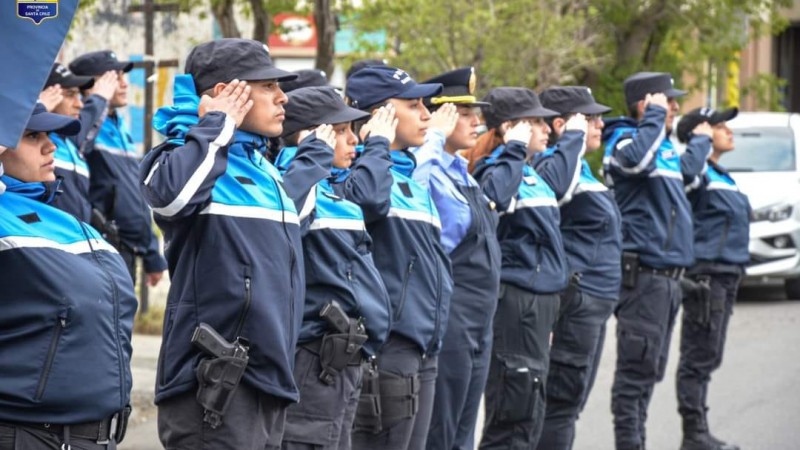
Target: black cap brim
[268, 73]
[674, 93]
[343, 115]
[536, 112]
[77, 81]
[724, 116]
[422, 90]
[49, 122]
[592, 108]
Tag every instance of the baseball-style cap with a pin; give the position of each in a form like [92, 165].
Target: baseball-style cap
[510, 103]
[60, 74]
[41, 120]
[572, 99]
[225, 60]
[699, 115]
[372, 85]
[638, 85]
[305, 78]
[98, 63]
[311, 106]
[362, 63]
[458, 87]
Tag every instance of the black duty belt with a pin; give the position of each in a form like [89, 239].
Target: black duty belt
[101, 432]
[676, 273]
[315, 346]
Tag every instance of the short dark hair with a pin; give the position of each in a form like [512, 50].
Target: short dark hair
[633, 110]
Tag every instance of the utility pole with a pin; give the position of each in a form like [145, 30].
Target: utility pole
[149, 64]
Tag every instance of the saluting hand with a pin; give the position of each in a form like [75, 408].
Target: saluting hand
[106, 85]
[323, 132]
[383, 123]
[51, 97]
[577, 122]
[658, 99]
[522, 132]
[703, 129]
[444, 119]
[233, 100]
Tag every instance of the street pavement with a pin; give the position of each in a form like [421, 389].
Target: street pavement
[754, 397]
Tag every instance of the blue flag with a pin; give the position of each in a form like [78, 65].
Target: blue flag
[31, 32]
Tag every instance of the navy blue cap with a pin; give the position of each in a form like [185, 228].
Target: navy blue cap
[41, 120]
[699, 115]
[571, 99]
[312, 106]
[511, 103]
[225, 60]
[61, 75]
[372, 85]
[458, 87]
[305, 78]
[362, 63]
[638, 85]
[98, 63]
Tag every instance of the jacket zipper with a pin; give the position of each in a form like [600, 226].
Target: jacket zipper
[671, 229]
[438, 320]
[61, 324]
[248, 297]
[724, 237]
[405, 288]
[115, 294]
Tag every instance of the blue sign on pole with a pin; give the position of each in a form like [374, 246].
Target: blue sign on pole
[30, 45]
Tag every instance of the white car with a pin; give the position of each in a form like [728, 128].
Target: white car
[764, 164]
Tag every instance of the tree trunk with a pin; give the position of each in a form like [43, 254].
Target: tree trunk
[261, 20]
[224, 14]
[325, 21]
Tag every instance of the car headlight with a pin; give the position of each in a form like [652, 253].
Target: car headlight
[772, 213]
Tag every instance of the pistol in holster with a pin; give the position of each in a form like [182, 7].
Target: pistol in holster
[219, 375]
[341, 348]
[107, 227]
[696, 299]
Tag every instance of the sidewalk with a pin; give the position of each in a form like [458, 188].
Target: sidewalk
[142, 429]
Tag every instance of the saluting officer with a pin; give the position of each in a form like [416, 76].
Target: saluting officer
[648, 177]
[590, 227]
[721, 214]
[346, 316]
[469, 236]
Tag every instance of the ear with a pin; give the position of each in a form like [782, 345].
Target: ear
[558, 123]
[640, 108]
[218, 88]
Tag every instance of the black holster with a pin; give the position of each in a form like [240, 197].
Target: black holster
[697, 298]
[368, 412]
[630, 269]
[339, 351]
[218, 378]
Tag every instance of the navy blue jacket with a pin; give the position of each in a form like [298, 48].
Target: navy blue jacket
[648, 177]
[591, 230]
[232, 238]
[114, 190]
[533, 251]
[721, 214]
[337, 251]
[404, 224]
[67, 315]
[71, 167]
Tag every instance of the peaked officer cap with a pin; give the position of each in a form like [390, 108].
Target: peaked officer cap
[458, 87]
[638, 85]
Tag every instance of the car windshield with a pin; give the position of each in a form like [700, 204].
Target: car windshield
[761, 149]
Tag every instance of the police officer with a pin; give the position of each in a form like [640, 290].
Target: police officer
[469, 223]
[590, 227]
[534, 267]
[405, 227]
[65, 348]
[235, 254]
[648, 178]
[71, 167]
[721, 216]
[113, 164]
[346, 312]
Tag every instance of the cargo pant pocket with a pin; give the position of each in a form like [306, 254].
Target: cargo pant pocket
[521, 388]
[567, 377]
[637, 353]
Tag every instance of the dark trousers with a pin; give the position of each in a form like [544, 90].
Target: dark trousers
[253, 421]
[130, 261]
[459, 386]
[13, 437]
[645, 318]
[401, 358]
[702, 345]
[574, 357]
[515, 391]
[324, 417]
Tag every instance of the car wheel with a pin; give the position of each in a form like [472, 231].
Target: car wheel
[792, 288]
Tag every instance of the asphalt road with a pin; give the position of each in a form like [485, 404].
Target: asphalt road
[754, 397]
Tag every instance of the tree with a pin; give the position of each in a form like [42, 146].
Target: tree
[325, 22]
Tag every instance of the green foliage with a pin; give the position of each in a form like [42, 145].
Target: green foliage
[768, 91]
